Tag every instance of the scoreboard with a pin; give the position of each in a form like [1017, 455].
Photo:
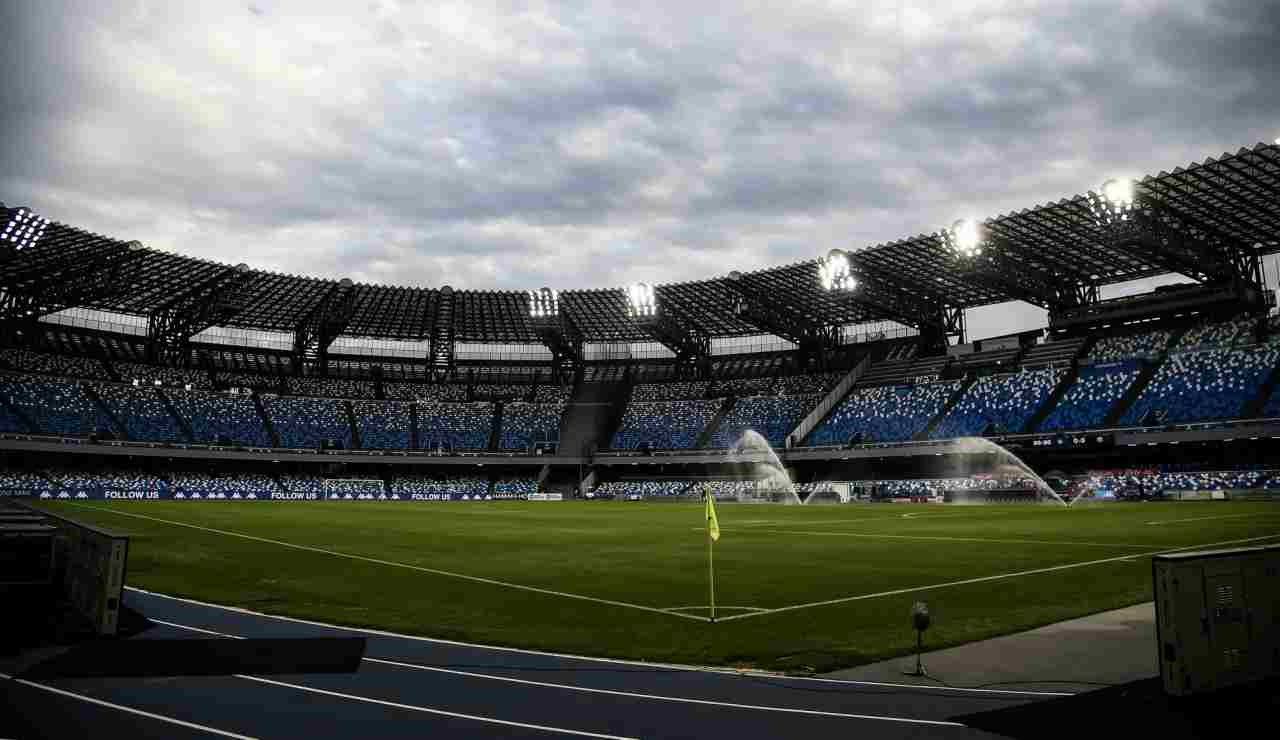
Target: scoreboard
[1075, 441]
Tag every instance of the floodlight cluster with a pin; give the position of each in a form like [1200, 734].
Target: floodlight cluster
[834, 273]
[1115, 203]
[544, 303]
[23, 230]
[641, 300]
[964, 238]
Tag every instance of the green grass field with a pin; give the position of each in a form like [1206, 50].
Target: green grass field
[869, 563]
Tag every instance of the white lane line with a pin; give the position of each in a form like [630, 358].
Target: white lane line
[1206, 518]
[612, 692]
[570, 656]
[395, 564]
[431, 710]
[129, 710]
[983, 579]
[944, 538]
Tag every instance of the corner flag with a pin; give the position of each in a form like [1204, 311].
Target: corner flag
[713, 525]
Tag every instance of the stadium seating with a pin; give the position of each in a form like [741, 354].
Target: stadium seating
[53, 406]
[1118, 483]
[246, 380]
[354, 488]
[308, 422]
[330, 387]
[514, 488]
[69, 366]
[1237, 331]
[739, 387]
[144, 416]
[499, 392]
[214, 417]
[645, 488]
[425, 391]
[773, 417]
[1204, 385]
[144, 375]
[799, 385]
[524, 424]
[883, 413]
[1090, 397]
[1129, 346]
[454, 426]
[670, 391]
[670, 425]
[24, 483]
[1005, 401]
[383, 425]
[99, 484]
[435, 488]
[308, 484]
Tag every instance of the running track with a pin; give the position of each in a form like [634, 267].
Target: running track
[414, 687]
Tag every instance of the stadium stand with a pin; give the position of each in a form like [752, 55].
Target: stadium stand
[1002, 401]
[454, 426]
[220, 418]
[70, 366]
[140, 410]
[53, 406]
[524, 424]
[772, 416]
[883, 414]
[144, 375]
[308, 422]
[433, 488]
[424, 391]
[246, 380]
[1238, 331]
[1203, 385]
[242, 485]
[330, 387]
[1094, 393]
[800, 385]
[514, 488]
[642, 488]
[739, 387]
[666, 425]
[1127, 346]
[383, 425]
[24, 483]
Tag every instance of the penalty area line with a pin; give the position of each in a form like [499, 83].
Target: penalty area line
[407, 566]
[943, 538]
[1206, 518]
[984, 579]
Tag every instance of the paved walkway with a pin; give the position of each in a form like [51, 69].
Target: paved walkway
[1109, 648]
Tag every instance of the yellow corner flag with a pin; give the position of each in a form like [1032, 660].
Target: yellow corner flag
[713, 525]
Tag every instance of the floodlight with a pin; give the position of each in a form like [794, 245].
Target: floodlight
[965, 238]
[833, 272]
[1118, 192]
[23, 229]
[544, 303]
[1115, 201]
[641, 301]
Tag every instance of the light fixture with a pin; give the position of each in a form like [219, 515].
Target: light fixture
[544, 303]
[834, 273]
[641, 300]
[23, 229]
[1114, 203]
[965, 238]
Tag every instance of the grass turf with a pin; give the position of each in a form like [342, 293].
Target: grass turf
[654, 555]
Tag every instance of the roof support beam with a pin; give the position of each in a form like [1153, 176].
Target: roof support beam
[323, 324]
[757, 305]
[556, 331]
[441, 336]
[212, 302]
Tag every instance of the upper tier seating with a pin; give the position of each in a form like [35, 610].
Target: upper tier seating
[499, 392]
[214, 416]
[167, 376]
[383, 425]
[307, 422]
[28, 361]
[1204, 385]
[883, 413]
[1095, 391]
[1057, 352]
[664, 425]
[54, 406]
[1006, 401]
[739, 387]
[1237, 331]
[246, 380]
[1128, 346]
[773, 417]
[799, 385]
[144, 416]
[904, 371]
[330, 387]
[454, 426]
[425, 391]
[696, 389]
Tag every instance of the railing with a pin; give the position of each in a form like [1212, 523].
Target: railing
[829, 402]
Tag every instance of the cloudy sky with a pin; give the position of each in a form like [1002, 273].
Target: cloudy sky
[594, 144]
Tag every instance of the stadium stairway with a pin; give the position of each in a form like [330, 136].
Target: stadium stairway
[266, 420]
[704, 437]
[495, 430]
[1253, 409]
[92, 394]
[830, 402]
[355, 428]
[593, 414]
[1068, 380]
[952, 400]
[183, 425]
[413, 426]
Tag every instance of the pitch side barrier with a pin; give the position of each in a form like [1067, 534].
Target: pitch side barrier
[104, 495]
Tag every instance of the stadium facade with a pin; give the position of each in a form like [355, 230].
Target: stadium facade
[177, 375]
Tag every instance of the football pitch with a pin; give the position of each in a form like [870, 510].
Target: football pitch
[798, 588]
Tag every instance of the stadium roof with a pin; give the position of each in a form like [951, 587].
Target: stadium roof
[1236, 195]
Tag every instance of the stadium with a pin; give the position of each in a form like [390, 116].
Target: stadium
[528, 468]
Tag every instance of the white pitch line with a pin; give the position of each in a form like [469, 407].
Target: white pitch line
[431, 710]
[395, 564]
[943, 538]
[1205, 518]
[983, 579]
[129, 710]
[569, 656]
[608, 692]
[718, 606]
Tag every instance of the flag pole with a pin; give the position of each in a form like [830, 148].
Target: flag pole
[711, 572]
